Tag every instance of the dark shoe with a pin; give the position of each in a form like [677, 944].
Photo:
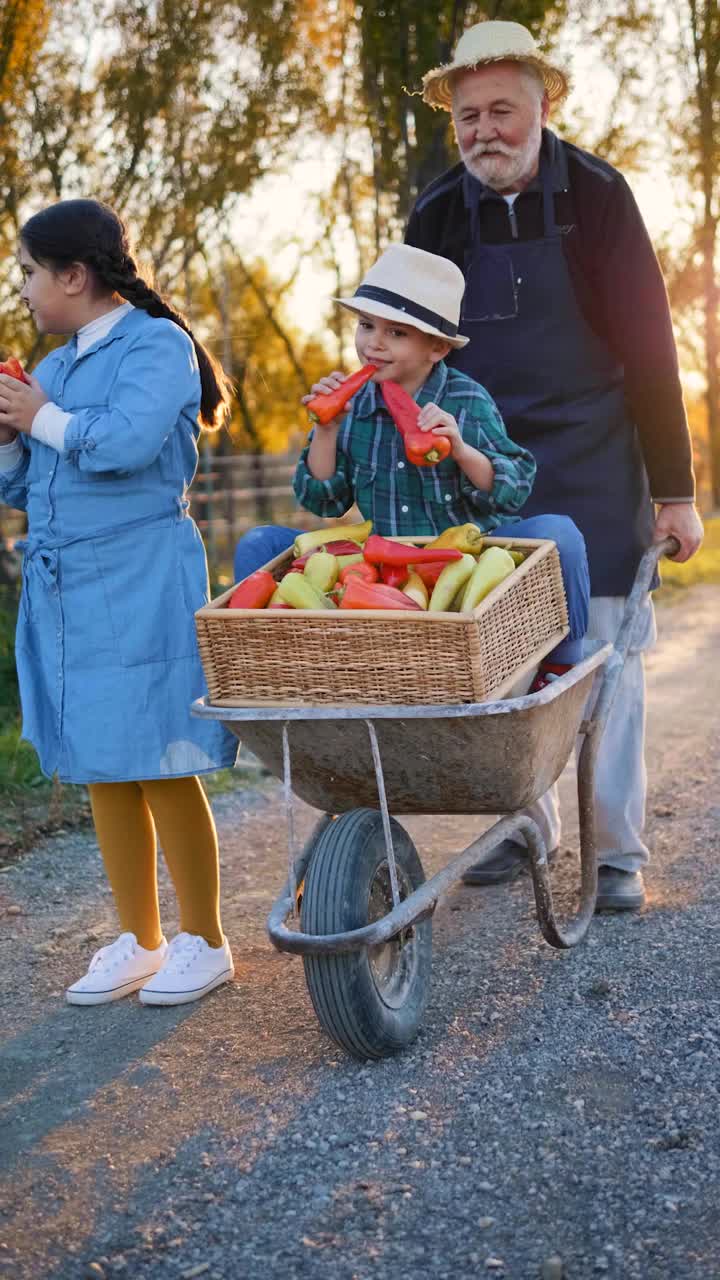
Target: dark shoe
[619, 890]
[505, 862]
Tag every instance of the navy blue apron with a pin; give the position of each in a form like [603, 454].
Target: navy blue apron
[559, 389]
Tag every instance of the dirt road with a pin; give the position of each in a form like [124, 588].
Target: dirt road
[556, 1117]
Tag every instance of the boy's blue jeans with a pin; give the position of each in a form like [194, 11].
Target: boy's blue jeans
[264, 542]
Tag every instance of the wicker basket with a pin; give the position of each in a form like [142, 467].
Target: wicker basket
[303, 658]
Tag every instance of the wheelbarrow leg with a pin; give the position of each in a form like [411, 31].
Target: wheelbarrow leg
[572, 931]
[575, 929]
[298, 862]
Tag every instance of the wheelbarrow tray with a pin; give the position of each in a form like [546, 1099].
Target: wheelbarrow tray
[484, 758]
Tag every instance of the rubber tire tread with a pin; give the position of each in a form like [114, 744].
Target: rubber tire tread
[341, 987]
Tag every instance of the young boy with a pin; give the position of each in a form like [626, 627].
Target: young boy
[408, 308]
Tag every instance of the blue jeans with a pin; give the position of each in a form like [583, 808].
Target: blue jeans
[259, 545]
[575, 573]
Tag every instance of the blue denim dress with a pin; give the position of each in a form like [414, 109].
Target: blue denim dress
[113, 566]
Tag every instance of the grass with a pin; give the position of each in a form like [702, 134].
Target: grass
[34, 806]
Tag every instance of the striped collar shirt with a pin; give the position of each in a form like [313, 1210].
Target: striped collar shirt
[403, 499]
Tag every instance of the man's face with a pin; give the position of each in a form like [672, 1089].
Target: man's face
[498, 113]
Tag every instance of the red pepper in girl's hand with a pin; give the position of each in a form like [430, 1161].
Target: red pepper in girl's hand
[375, 595]
[394, 575]
[323, 408]
[421, 447]
[14, 369]
[253, 592]
[384, 551]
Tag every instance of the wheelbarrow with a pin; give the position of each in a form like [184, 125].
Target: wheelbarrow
[356, 905]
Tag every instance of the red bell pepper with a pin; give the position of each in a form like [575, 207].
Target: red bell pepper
[326, 406]
[384, 551]
[421, 447]
[394, 575]
[342, 547]
[14, 369]
[253, 592]
[362, 569]
[375, 595]
[428, 572]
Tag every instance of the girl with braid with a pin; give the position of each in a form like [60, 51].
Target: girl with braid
[99, 450]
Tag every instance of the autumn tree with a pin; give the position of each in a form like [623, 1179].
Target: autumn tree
[170, 111]
[702, 136]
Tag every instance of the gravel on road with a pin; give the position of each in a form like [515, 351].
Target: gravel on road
[556, 1118]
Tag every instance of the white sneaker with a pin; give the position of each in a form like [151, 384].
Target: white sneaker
[117, 970]
[191, 969]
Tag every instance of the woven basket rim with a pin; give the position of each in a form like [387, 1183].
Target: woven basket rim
[216, 608]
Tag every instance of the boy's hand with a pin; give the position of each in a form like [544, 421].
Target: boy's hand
[19, 403]
[329, 383]
[433, 418]
[322, 388]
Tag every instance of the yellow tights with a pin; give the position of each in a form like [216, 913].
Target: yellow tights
[127, 816]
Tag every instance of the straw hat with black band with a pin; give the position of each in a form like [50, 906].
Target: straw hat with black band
[413, 287]
[489, 42]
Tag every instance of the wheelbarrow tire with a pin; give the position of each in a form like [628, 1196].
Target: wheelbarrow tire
[370, 1001]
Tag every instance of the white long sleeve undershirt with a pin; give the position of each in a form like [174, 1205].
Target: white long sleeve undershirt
[50, 422]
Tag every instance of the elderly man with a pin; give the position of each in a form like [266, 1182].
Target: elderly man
[570, 331]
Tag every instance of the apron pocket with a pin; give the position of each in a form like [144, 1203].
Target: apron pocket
[150, 617]
[491, 291]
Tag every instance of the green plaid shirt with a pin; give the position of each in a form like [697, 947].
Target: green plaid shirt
[399, 497]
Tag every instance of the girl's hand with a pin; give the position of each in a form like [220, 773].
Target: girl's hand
[433, 418]
[19, 403]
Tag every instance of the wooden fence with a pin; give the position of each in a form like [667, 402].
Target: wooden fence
[231, 494]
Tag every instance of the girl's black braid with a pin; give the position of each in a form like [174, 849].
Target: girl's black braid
[119, 273]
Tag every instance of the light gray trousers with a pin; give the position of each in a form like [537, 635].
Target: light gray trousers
[620, 774]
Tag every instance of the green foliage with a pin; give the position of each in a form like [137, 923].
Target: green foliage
[190, 102]
[9, 701]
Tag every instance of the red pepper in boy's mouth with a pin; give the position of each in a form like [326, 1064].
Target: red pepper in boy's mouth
[327, 405]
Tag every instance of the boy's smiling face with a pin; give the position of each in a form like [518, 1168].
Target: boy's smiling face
[403, 354]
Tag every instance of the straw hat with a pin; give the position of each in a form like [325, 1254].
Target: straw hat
[415, 288]
[488, 42]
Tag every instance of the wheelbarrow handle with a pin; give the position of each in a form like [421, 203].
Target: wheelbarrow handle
[641, 585]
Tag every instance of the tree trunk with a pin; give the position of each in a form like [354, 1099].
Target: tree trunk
[712, 351]
[705, 30]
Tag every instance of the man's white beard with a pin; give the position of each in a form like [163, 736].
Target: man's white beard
[501, 172]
